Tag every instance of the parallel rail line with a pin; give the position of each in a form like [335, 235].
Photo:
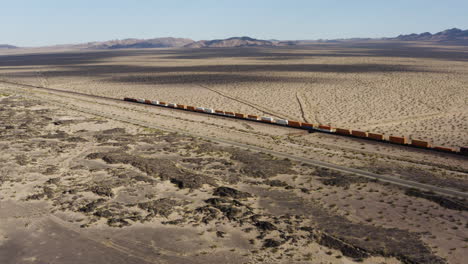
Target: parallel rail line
[356, 172]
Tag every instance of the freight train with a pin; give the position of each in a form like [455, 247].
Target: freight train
[307, 126]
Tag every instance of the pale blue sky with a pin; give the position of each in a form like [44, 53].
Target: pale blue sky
[46, 22]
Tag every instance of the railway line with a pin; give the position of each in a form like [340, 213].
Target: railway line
[357, 172]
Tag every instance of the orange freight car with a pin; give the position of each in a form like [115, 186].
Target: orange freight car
[219, 112]
[254, 117]
[445, 149]
[239, 115]
[147, 101]
[398, 140]
[420, 143]
[294, 123]
[325, 127]
[229, 113]
[191, 108]
[162, 103]
[343, 131]
[375, 136]
[307, 125]
[358, 133]
[181, 106]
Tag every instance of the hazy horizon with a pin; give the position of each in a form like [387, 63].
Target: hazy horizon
[29, 23]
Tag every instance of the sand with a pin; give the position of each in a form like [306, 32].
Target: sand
[74, 172]
[99, 185]
[411, 89]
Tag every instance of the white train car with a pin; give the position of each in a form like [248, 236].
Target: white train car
[267, 119]
[209, 110]
[282, 122]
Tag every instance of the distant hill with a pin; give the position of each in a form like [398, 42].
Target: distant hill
[237, 42]
[448, 35]
[128, 44]
[140, 43]
[453, 36]
[5, 46]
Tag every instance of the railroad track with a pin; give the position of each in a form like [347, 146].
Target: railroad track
[357, 172]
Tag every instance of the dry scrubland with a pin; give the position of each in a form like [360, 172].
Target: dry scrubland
[413, 89]
[113, 192]
[117, 193]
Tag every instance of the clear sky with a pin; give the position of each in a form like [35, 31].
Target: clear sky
[46, 22]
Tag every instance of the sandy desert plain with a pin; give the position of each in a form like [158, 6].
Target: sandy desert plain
[91, 180]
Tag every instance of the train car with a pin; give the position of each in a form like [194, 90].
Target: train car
[142, 101]
[209, 111]
[172, 105]
[342, 131]
[375, 136]
[219, 112]
[444, 149]
[147, 101]
[253, 117]
[154, 102]
[229, 113]
[325, 128]
[358, 133]
[181, 106]
[130, 99]
[282, 122]
[162, 104]
[200, 109]
[239, 115]
[307, 126]
[398, 140]
[293, 123]
[191, 108]
[267, 119]
[420, 143]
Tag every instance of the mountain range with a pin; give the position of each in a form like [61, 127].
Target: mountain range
[453, 34]
[449, 35]
[141, 43]
[5, 46]
[237, 42]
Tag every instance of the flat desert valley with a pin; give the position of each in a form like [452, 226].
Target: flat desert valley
[92, 180]
[404, 89]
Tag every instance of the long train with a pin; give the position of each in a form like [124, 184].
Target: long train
[310, 127]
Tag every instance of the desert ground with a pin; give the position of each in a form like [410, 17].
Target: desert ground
[91, 180]
[117, 193]
[398, 88]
